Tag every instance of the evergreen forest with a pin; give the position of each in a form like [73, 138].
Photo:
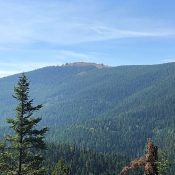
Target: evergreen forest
[86, 119]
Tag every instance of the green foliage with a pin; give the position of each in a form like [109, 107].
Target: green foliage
[82, 161]
[61, 169]
[111, 109]
[20, 151]
[163, 163]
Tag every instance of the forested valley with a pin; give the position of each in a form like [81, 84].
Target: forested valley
[94, 120]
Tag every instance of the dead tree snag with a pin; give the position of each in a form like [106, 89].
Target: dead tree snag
[148, 161]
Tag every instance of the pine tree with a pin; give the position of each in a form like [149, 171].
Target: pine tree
[61, 169]
[163, 163]
[21, 151]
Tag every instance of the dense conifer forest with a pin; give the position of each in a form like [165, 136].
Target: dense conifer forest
[84, 162]
[99, 117]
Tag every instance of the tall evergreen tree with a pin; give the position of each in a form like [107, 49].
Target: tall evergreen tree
[21, 151]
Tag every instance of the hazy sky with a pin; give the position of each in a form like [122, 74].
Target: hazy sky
[38, 33]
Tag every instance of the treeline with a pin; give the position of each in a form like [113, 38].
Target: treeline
[84, 162]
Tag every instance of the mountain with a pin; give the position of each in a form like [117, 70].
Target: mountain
[108, 109]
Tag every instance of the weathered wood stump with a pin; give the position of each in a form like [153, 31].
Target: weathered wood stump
[148, 161]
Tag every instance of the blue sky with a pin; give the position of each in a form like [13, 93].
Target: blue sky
[39, 33]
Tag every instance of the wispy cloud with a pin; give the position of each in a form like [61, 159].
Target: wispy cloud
[62, 22]
[13, 68]
[6, 73]
[170, 60]
[39, 33]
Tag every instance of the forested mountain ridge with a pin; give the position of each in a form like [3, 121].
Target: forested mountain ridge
[93, 91]
[108, 109]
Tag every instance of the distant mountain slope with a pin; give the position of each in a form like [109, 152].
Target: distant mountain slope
[85, 91]
[110, 109]
[46, 83]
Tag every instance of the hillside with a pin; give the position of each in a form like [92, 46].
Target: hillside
[108, 109]
[85, 162]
